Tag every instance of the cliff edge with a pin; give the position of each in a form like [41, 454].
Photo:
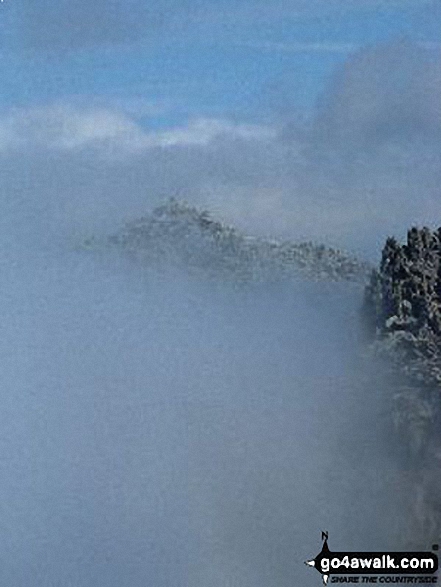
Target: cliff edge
[402, 319]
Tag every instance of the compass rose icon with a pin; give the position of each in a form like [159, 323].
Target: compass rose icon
[315, 562]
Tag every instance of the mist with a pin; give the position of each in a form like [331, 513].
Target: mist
[161, 430]
[363, 165]
[165, 430]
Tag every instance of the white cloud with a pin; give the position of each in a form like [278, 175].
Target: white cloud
[109, 131]
[369, 165]
[204, 130]
[62, 127]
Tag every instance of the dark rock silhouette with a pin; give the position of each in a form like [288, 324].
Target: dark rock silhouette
[402, 317]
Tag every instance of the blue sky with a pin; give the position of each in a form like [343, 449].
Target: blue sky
[274, 114]
[193, 58]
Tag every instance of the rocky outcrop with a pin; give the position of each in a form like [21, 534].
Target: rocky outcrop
[178, 234]
[402, 318]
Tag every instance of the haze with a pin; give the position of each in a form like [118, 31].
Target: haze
[156, 429]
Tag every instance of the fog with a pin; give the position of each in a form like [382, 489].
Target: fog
[163, 430]
[160, 430]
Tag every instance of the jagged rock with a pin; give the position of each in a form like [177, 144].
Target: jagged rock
[402, 317]
[178, 234]
[402, 305]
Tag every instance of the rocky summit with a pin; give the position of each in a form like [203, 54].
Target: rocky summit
[402, 316]
[181, 235]
[402, 309]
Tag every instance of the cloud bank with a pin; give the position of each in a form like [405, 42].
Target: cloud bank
[366, 164]
[163, 431]
[154, 432]
[107, 131]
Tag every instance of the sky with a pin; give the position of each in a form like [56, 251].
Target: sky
[193, 58]
[172, 61]
[309, 120]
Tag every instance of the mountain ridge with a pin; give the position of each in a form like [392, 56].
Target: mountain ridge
[400, 314]
[188, 237]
